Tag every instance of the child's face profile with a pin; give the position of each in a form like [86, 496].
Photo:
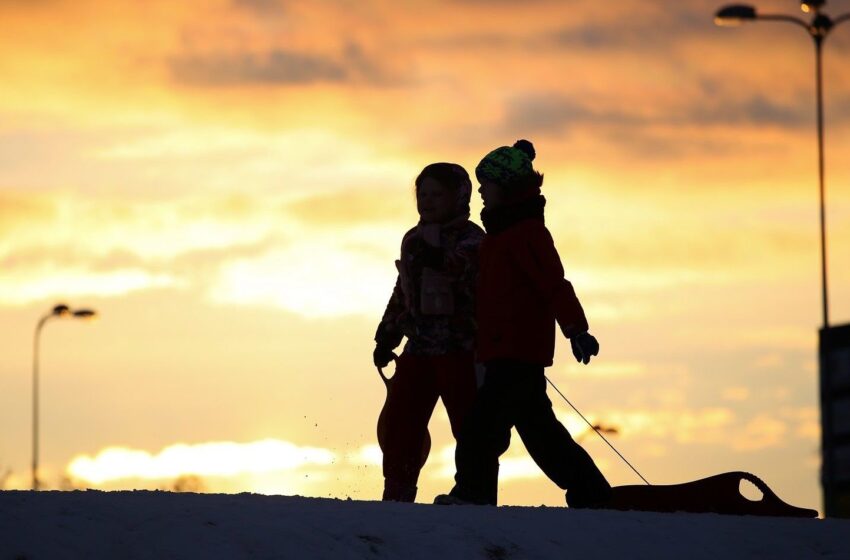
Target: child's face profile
[434, 202]
[491, 194]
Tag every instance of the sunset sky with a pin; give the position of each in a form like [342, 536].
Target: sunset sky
[227, 182]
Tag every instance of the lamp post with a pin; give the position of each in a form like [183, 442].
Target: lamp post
[63, 312]
[834, 342]
[819, 27]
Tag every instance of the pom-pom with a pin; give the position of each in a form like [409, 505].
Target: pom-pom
[527, 147]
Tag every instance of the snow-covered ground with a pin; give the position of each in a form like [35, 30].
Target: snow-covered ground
[145, 524]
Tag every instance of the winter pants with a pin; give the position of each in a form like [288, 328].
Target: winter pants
[514, 394]
[417, 384]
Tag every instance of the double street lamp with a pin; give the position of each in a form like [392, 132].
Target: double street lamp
[60, 311]
[818, 28]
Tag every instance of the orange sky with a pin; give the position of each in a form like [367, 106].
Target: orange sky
[227, 183]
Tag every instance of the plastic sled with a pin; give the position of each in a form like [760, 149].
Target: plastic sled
[382, 424]
[716, 494]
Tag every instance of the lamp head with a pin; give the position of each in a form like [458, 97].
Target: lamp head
[734, 14]
[88, 314]
[810, 6]
[61, 310]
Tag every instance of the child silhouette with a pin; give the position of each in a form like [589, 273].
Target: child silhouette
[432, 305]
[521, 293]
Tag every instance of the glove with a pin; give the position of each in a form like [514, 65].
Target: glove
[382, 356]
[584, 346]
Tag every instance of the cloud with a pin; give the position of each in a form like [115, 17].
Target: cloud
[17, 209]
[316, 278]
[355, 207]
[756, 110]
[712, 426]
[610, 370]
[555, 113]
[68, 229]
[651, 125]
[513, 465]
[759, 433]
[263, 8]
[736, 394]
[774, 360]
[279, 67]
[685, 426]
[202, 459]
[370, 454]
[469, 40]
[26, 286]
[787, 337]
[245, 250]
[518, 468]
[30, 4]
[632, 26]
[636, 26]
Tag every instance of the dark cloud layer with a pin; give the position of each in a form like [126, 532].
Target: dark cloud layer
[550, 114]
[280, 67]
[277, 67]
[646, 131]
[634, 31]
[757, 111]
[261, 7]
[654, 30]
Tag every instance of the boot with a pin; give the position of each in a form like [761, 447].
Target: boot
[395, 491]
[592, 491]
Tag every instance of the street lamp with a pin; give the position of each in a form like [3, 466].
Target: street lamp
[60, 311]
[834, 342]
[818, 28]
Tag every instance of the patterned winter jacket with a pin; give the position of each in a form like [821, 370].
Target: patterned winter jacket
[433, 302]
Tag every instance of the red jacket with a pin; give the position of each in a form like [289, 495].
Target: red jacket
[521, 293]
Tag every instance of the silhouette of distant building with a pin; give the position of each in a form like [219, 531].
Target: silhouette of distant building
[835, 419]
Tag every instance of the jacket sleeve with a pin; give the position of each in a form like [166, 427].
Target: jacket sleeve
[461, 265]
[539, 258]
[461, 261]
[389, 333]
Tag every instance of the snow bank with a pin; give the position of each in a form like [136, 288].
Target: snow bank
[143, 524]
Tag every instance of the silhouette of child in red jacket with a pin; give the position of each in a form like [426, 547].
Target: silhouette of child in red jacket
[521, 294]
[433, 306]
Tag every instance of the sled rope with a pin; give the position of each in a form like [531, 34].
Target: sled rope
[597, 431]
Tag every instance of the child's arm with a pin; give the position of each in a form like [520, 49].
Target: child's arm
[461, 261]
[389, 333]
[541, 262]
[458, 260]
[388, 336]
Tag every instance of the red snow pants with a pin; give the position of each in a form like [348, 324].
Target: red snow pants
[417, 384]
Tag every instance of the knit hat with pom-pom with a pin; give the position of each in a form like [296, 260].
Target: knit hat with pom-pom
[508, 166]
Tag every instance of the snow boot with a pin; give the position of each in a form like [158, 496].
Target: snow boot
[450, 500]
[397, 492]
[592, 492]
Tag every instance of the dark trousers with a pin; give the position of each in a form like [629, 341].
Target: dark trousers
[417, 384]
[514, 394]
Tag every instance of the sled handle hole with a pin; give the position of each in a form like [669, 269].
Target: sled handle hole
[750, 491]
[384, 376]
